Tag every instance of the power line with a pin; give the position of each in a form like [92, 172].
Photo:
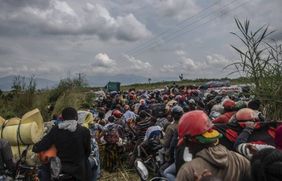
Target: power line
[167, 31]
[176, 33]
[183, 31]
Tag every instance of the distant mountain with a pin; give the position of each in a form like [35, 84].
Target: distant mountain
[102, 80]
[7, 82]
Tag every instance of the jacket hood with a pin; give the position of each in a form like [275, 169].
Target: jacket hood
[69, 125]
[216, 155]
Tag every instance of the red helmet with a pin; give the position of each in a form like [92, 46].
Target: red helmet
[246, 114]
[193, 123]
[165, 97]
[116, 113]
[228, 104]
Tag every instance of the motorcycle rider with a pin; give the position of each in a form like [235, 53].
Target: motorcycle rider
[169, 146]
[203, 151]
[229, 111]
[266, 165]
[72, 142]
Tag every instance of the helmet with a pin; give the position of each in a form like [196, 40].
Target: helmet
[142, 101]
[177, 111]
[117, 113]
[246, 114]
[178, 98]
[165, 97]
[193, 123]
[217, 108]
[228, 104]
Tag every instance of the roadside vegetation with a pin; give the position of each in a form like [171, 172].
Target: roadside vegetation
[261, 63]
[70, 92]
[23, 97]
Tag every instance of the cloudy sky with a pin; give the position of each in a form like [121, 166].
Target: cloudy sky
[151, 38]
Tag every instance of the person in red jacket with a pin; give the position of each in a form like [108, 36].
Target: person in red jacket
[203, 151]
[229, 106]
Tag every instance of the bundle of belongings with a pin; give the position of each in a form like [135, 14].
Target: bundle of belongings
[22, 134]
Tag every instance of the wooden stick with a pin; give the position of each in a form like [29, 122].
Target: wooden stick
[123, 175]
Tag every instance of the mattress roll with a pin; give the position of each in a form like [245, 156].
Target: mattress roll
[22, 134]
[25, 131]
[31, 158]
[2, 120]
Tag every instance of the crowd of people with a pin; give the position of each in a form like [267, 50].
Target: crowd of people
[188, 134]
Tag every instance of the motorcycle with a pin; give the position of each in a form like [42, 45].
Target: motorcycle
[23, 173]
[144, 173]
[150, 153]
[27, 173]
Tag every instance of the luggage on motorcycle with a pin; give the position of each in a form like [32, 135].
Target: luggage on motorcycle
[112, 134]
[31, 158]
[158, 110]
[25, 131]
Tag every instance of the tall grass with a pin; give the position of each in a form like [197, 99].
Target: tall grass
[261, 62]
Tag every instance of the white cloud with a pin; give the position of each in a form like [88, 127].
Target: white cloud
[136, 64]
[30, 69]
[179, 9]
[183, 64]
[104, 64]
[168, 68]
[60, 18]
[82, 28]
[180, 52]
[188, 64]
[129, 28]
[103, 60]
[63, 7]
[6, 70]
[217, 60]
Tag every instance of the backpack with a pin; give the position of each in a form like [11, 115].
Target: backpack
[111, 134]
[158, 110]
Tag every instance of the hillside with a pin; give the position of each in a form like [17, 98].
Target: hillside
[41, 83]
